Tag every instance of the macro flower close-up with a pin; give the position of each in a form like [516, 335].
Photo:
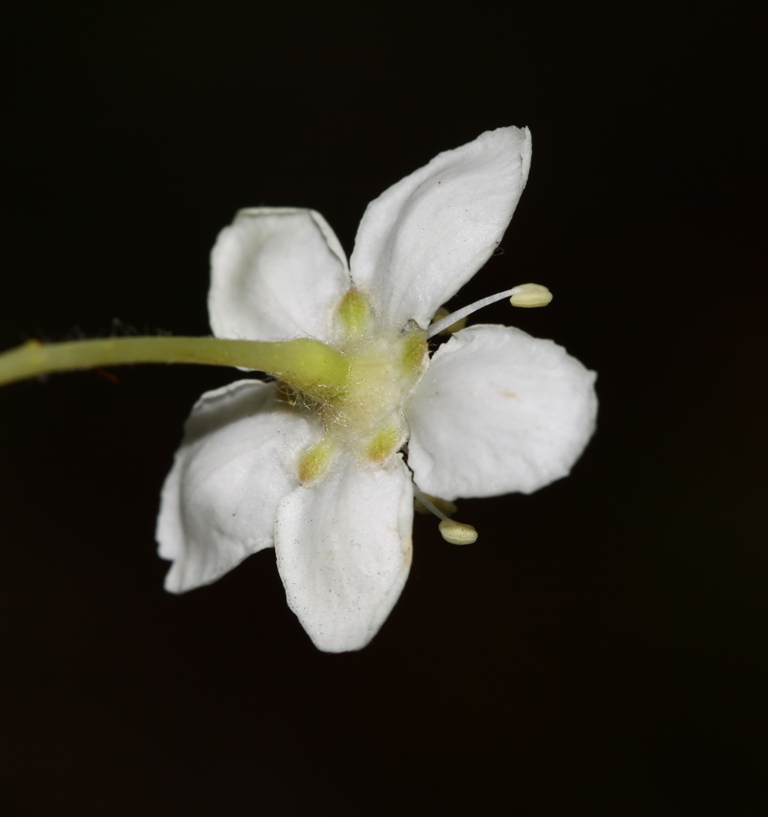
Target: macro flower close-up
[326, 470]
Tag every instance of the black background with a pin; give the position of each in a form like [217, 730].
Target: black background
[601, 649]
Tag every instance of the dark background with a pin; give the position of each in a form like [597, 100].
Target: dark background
[602, 648]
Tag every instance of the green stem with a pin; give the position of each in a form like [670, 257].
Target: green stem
[306, 364]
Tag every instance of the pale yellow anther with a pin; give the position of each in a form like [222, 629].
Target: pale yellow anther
[457, 533]
[454, 327]
[525, 295]
[530, 296]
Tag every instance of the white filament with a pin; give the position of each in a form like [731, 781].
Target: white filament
[455, 533]
[430, 506]
[448, 320]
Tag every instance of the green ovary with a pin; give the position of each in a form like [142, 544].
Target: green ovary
[366, 416]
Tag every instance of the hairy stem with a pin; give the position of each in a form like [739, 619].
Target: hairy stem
[306, 364]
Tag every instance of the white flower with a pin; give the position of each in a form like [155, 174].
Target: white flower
[323, 478]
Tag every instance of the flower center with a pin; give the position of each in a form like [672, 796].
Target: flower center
[366, 416]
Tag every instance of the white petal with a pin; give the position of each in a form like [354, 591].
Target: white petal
[426, 236]
[276, 274]
[236, 463]
[498, 411]
[344, 551]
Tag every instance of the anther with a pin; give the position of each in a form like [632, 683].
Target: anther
[455, 533]
[525, 295]
[530, 295]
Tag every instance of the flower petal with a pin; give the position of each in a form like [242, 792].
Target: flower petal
[426, 236]
[236, 463]
[344, 551]
[276, 274]
[498, 411]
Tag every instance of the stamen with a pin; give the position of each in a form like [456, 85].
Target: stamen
[531, 296]
[448, 508]
[454, 327]
[525, 295]
[455, 533]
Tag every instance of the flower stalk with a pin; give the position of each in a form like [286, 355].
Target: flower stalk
[306, 364]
